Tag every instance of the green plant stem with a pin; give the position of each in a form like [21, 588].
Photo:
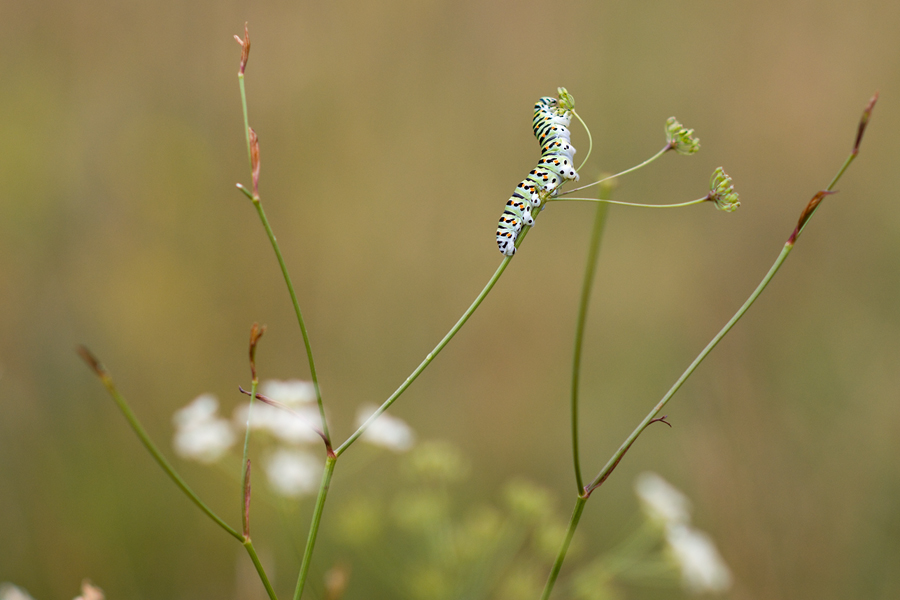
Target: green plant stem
[653, 414]
[431, 355]
[248, 545]
[590, 140]
[330, 462]
[245, 482]
[617, 457]
[246, 118]
[570, 531]
[151, 447]
[290, 286]
[620, 203]
[626, 171]
[287, 278]
[586, 285]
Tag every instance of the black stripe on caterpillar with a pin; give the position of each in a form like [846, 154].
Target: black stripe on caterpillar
[551, 129]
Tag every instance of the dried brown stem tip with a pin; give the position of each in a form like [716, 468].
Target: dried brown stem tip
[864, 122]
[254, 161]
[808, 211]
[256, 332]
[91, 360]
[247, 502]
[245, 48]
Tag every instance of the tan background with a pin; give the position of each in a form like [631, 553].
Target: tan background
[392, 133]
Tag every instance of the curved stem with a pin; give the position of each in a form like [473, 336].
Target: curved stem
[245, 507]
[248, 545]
[290, 286]
[590, 140]
[586, 286]
[287, 278]
[138, 429]
[570, 531]
[606, 201]
[634, 168]
[330, 462]
[422, 366]
[614, 460]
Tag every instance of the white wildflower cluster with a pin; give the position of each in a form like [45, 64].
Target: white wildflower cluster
[386, 431]
[200, 434]
[703, 571]
[9, 591]
[292, 420]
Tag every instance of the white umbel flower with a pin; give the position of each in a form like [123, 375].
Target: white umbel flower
[9, 591]
[89, 592]
[386, 431]
[200, 434]
[661, 501]
[293, 473]
[292, 426]
[703, 571]
[292, 392]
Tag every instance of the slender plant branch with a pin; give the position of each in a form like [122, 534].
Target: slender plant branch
[586, 287]
[253, 153]
[570, 531]
[138, 429]
[590, 140]
[626, 171]
[431, 355]
[607, 201]
[248, 545]
[330, 462]
[807, 213]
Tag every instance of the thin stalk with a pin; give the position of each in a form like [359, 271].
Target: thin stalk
[590, 140]
[248, 545]
[570, 531]
[287, 278]
[807, 213]
[586, 286]
[614, 460]
[620, 203]
[138, 429]
[431, 355]
[290, 286]
[634, 168]
[245, 481]
[330, 461]
[246, 118]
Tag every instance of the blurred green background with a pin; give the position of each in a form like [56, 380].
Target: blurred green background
[392, 133]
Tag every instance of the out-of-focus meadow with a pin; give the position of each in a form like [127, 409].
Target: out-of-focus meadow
[391, 135]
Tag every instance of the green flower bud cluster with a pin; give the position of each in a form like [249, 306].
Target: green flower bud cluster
[721, 191]
[682, 140]
[566, 100]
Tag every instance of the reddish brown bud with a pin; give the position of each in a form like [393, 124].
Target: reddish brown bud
[247, 501]
[864, 121]
[91, 360]
[336, 579]
[254, 161]
[245, 48]
[256, 332]
[808, 212]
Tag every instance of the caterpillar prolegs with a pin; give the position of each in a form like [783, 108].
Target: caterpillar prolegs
[551, 128]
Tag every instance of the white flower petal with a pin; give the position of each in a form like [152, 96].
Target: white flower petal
[202, 408]
[661, 501]
[293, 473]
[702, 568]
[386, 431]
[297, 426]
[204, 442]
[292, 392]
[9, 591]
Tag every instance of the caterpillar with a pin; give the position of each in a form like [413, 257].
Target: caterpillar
[551, 129]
